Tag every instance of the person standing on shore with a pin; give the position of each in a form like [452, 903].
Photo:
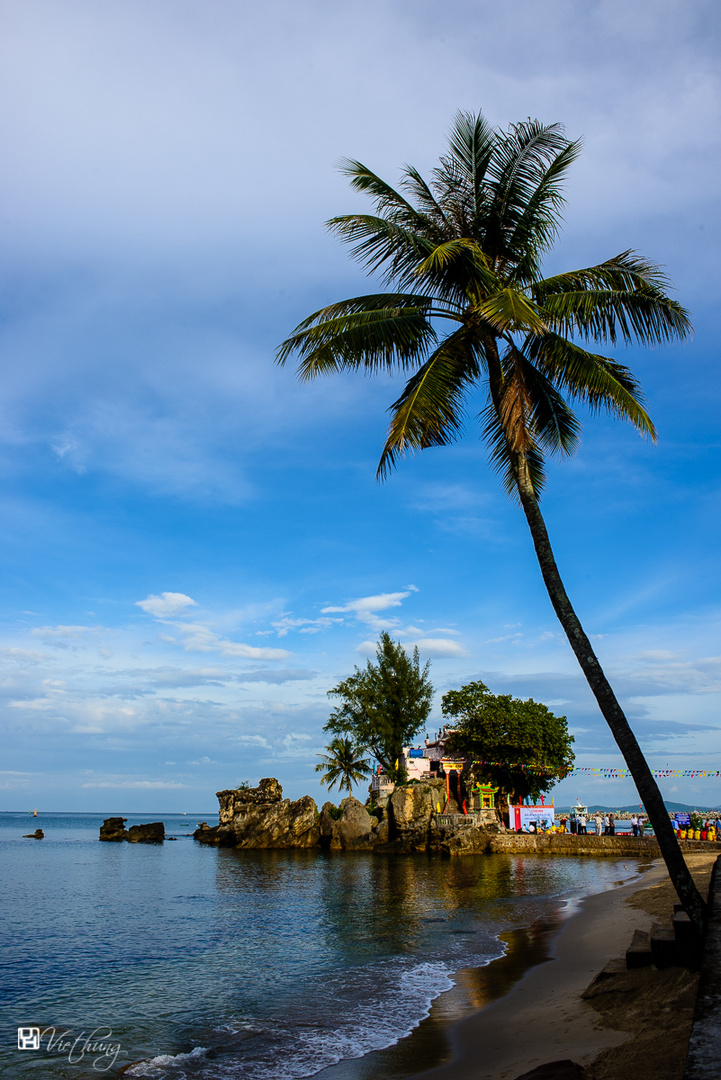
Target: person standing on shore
[611, 825]
[634, 825]
[582, 824]
[606, 825]
[599, 824]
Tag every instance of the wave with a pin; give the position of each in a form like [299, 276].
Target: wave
[354, 1013]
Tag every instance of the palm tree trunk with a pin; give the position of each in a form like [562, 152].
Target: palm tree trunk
[646, 786]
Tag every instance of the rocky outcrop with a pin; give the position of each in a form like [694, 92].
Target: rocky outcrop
[468, 840]
[410, 811]
[153, 833]
[236, 801]
[113, 828]
[37, 835]
[261, 818]
[350, 827]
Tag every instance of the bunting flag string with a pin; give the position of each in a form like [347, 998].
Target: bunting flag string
[601, 772]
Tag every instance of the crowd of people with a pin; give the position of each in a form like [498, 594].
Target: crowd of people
[600, 824]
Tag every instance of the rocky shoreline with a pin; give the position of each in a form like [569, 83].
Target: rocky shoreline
[406, 822]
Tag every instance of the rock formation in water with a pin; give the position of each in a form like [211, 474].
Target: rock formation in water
[113, 828]
[152, 833]
[350, 827]
[410, 813]
[37, 835]
[261, 818]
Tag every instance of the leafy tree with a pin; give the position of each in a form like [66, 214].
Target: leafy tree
[466, 250]
[500, 728]
[383, 705]
[345, 764]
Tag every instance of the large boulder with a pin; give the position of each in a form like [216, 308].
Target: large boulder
[153, 833]
[467, 840]
[353, 828]
[113, 828]
[261, 818]
[410, 809]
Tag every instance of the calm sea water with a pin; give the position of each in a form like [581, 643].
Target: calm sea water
[185, 961]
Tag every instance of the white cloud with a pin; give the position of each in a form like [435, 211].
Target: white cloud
[365, 608]
[438, 647]
[251, 652]
[166, 605]
[199, 637]
[371, 603]
[304, 626]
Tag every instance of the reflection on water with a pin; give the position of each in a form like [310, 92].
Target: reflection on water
[262, 965]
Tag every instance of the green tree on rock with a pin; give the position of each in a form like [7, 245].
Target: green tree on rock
[383, 705]
[528, 747]
[464, 252]
[345, 764]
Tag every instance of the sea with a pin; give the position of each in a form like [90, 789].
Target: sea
[180, 961]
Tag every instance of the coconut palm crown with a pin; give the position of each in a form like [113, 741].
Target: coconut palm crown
[345, 764]
[468, 309]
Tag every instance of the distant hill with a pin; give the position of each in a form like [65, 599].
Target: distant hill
[672, 807]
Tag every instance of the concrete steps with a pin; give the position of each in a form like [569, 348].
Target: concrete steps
[676, 945]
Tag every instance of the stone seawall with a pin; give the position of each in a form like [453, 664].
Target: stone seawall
[567, 844]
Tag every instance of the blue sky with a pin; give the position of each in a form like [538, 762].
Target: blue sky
[194, 546]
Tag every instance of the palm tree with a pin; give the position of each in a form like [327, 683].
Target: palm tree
[466, 250]
[344, 764]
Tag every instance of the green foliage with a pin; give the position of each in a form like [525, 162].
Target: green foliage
[501, 728]
[334, 812]
[345, 764]
[696, 821]
[383, 705]
[244, 785]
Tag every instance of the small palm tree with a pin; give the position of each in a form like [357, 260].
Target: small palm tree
[344, 764]
[465, 250]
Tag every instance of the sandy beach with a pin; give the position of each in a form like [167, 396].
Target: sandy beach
[531, 1007]
[636, 1024]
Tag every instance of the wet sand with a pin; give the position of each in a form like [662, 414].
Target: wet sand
[528, 1007]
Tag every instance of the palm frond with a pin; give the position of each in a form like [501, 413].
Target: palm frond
[378, 243]
[625, 272]
[414, 183]
[551, 422]
[429, 412]
[467, 258]
[372, 339]
[624, 297]
[502, 458]
[460, 181]
[538, 224]
[510, 310]
[521, 158]
[389, 202]
[597, 381]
